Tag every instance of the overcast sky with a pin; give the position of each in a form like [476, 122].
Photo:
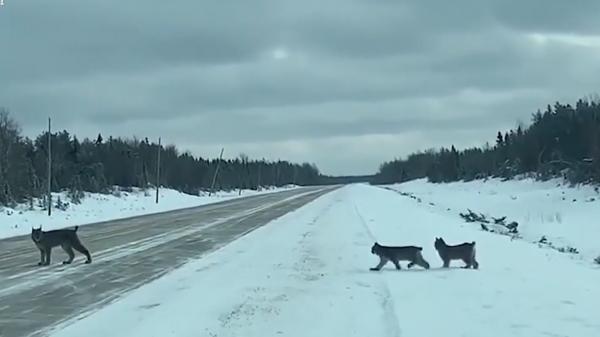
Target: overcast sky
[345, 84]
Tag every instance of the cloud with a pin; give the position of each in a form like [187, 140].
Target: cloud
[325, 82]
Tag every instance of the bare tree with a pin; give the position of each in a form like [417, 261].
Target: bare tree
[9, 137]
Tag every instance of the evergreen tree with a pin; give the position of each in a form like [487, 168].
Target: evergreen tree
[499, 140]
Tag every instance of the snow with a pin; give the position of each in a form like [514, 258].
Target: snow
[565, 215]
[307, 274]
[104, 207]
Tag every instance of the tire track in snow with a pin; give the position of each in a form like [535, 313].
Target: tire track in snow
[266, 302]
[392, 324]
[364, 223]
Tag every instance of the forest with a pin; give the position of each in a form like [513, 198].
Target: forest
[561, 141]
[98, 165]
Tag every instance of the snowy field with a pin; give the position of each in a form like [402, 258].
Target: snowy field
[566, 216]
[307, 274]
[104, 207]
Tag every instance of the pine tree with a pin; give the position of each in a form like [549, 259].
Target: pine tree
[499, 140]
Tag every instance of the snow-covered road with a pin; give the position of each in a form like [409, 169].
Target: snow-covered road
[307, 274]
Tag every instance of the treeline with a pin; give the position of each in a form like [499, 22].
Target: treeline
[562, 141]
[97, 165]
[344, 180]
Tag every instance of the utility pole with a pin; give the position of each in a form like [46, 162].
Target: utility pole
[295, 175]
[49, 167]
[158, 170]
[212, 187]
[258, 182]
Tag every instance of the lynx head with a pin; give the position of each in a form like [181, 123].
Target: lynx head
[36, 234]
[439, 244]
[375, 248]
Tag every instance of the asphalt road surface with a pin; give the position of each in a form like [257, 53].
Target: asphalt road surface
[126, 254]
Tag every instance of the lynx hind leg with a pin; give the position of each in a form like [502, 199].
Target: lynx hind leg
[80, 248]
[382, 262]
[67, 248]
[468, 263]
[474, 262]
[420, 260]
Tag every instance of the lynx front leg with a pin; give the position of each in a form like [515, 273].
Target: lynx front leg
[48, 252]
[382, 262]
[42, 258]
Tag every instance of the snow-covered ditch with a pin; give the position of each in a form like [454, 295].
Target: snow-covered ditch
[551, 212]
[103, 207]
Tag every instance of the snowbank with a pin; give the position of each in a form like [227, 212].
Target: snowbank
[103, 207]
[306, 274]
[566, 215]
